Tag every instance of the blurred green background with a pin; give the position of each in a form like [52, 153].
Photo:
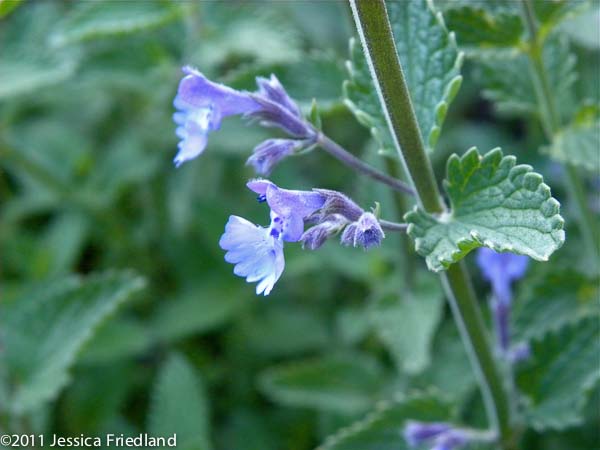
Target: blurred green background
[87, 186]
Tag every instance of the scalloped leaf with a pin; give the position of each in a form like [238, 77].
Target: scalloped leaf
[179, 405]
[43, 330]
[579, 142]
[431, 61]
[495, 204]
[89, 20]
[564, 367]
[382, 428]
[512, 90]
[553, 300]
[341, 383]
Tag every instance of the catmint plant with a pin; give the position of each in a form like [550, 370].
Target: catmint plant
[492, 203]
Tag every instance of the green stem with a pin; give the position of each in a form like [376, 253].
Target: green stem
[376, 36]
[551, 124]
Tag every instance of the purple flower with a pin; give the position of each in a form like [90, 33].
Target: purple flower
[279, 110]
[201, 105]
[291, 206]
[257, 252]
[519, 352]
[315, 237]
[268, 153]
[416, 433]
[337, 203]
[366, 232]
[273, 90]
[442, 435]
[450, 440]
[501, 269]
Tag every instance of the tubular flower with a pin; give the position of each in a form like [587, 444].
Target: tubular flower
[442, 436]
[268, 153]
[501, 269]
[257, 252]
[290, 205]
[201, 105]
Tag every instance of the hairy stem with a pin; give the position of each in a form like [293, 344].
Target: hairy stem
[378, 43]
[338, 152]
[551, 124]
[393, 226]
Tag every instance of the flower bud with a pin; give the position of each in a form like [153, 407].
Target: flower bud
[267, 154]
[366, 232]
[315, 237]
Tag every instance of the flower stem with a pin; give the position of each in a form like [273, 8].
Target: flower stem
[393, 226]
[338, 152]
[376, 36]
[551, 124]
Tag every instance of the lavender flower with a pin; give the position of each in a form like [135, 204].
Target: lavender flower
[290, 205]
[366, 232]
[416, 433]
[257, 252]
[268, 153]
[201, 105]
[443, 436]
[501, 269]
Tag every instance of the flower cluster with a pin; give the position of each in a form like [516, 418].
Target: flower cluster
[202, 104]
[501, 270]
[257, 251]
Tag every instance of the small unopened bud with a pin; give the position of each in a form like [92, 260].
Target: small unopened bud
[315, 237]
[520, 352]
[267, 154]
[366, 232]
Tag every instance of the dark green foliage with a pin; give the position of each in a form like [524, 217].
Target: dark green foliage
[118, 313]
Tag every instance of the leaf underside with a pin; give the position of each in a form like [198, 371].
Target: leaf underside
[495, 204]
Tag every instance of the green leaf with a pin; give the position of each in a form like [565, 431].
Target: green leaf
[340, 383]
[198, 311]
[506, 77]
[484, 24]
[8, 6]
[28, 64]
[88, 20]
[179, 406]
[116, 340]
[382, 428]
[406, 322]
[495, 204]
[579, 142]
[553, 300]
[44, 329]
[431, 63]
[564, 368]
[279, 331]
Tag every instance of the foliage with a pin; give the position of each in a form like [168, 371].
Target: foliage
[118, 312]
